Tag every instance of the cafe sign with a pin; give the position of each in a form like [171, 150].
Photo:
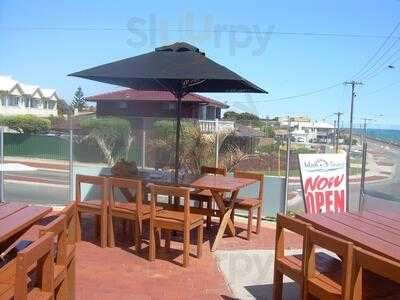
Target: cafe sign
[323, 180]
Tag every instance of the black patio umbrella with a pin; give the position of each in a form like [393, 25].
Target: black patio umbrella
[179, 68]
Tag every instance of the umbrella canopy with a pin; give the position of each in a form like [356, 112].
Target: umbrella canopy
[179, 68]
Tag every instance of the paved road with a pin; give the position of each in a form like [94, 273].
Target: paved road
[388, 190]
[23, 188]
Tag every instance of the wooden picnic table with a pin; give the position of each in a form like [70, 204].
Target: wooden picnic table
[218, 185]
[16, 218]
[374, 230]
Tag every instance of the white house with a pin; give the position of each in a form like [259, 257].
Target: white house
[304, 130]
[21, 99]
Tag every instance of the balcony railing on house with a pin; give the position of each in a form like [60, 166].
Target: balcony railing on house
[210, 126]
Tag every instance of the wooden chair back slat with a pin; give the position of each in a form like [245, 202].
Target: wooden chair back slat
[377, 264]
[365, 260]
[42, 253]
[129, 184]
[59, 228]
[181, 192]
[71, 214]
[256, 176]
[329, 242]
[212, 170]
[102, 182]
[340, 247]
[295, 225]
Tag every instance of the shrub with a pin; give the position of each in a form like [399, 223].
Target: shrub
[110, 133]
[27, 124]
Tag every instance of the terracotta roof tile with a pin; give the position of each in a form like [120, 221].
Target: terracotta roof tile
[135, 95]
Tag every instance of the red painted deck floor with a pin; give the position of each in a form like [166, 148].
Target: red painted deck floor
[120, 273]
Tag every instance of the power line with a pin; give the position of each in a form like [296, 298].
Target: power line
[294, 96]
[384, 65]
[381, 57]
[383, 88]
[377, 51]
[88, 28]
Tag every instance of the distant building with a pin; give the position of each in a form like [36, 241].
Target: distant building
[21, 99]
[304, 130]
[143, 105]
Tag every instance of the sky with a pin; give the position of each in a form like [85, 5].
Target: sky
[289, 48]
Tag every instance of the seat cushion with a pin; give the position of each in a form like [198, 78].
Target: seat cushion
[177, 216]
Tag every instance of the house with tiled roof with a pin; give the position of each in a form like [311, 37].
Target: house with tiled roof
[158, 104]
[18, 98]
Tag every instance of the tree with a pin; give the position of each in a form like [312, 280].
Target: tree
[243, 118]
[27, 124]
[79, 101]
[111, 134]
[63, 108]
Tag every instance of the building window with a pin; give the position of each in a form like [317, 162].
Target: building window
[13, 100]
[3, 100]
[35, 103]
[170, 106]
[45, 104]
[27, 101]
[122, 105]
[52, 104]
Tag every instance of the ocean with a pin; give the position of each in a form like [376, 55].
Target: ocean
[387, 135]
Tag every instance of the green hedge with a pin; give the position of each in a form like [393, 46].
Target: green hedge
[55, 147]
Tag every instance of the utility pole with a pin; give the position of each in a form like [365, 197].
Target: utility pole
[353, 84]
[337, 130]
[363, 164]
[334, 134]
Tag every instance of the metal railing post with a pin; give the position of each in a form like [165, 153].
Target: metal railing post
[216, 143]
[71, 166]
[287, 167]
[2, 187]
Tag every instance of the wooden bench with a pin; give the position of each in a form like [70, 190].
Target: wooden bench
[37, 257]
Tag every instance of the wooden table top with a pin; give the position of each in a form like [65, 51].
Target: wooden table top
[15, 217]
[374, 230]
[221, 183]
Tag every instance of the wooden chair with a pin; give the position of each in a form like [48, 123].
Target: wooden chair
[39, 257]
[97, 207]
[366, 261]
[291, 265]
[59, 228]
[249, 203]
[174, 220]
[204, 196]
[71, 219]
[135, 210]
[327, 285]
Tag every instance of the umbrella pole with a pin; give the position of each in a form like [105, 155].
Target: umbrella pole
[178, 135]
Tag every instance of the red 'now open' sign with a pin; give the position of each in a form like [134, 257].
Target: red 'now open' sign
[323, 178]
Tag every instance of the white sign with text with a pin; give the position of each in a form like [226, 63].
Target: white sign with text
[323, 180]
